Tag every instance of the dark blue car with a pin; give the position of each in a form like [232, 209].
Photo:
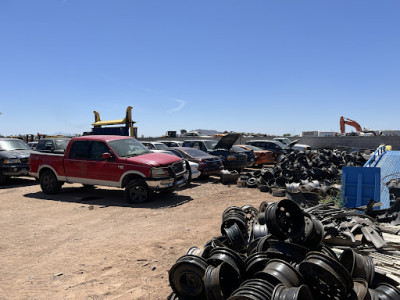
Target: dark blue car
[232, 160]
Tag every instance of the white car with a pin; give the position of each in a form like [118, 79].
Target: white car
[155, 145]
[194, 167]
[172, 143]
[292, 144]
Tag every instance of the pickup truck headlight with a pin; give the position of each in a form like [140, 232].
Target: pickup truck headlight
[12, 161]
[231, 157]
[159, 172]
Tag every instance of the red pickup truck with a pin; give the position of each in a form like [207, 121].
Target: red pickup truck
[108, 160]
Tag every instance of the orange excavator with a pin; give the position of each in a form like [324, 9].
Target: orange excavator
[347, 121]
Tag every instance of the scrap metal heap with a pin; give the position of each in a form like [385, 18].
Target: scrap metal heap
[315, 173]
[287, 250]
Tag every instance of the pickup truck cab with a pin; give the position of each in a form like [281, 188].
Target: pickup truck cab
[108, 160]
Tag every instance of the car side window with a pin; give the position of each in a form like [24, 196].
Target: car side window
[272, 146]
[40, 145]
[97, 149]
[79, 150]
[49, 145]
[197, 145]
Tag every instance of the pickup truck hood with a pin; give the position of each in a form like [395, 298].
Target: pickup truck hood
[15, 154]
[154, 159]
[226, 142]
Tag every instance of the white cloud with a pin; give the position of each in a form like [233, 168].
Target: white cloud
[181, 103]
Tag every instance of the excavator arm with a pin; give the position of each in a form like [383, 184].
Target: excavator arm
[346, 121]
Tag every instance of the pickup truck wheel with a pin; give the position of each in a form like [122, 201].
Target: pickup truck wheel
[49, 183]
[137, 191]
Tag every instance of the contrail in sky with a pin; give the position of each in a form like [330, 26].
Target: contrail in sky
[182, 103]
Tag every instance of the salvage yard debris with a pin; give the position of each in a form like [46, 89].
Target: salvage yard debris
[289, 250]
[308, 176]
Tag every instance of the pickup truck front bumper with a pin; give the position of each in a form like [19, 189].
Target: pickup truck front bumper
[164, 183]
[14, 169]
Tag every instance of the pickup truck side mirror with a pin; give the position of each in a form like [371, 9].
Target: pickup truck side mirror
[106, 156]
[49, 148]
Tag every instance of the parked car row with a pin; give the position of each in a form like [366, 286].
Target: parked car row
[141, 168]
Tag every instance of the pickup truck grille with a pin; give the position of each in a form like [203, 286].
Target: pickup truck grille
[178, 167]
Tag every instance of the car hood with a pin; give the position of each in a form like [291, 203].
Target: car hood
[226, 142]
[15, 154]
[293, 143]
[154, 159]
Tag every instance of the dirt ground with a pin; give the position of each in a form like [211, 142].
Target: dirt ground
[92, 245]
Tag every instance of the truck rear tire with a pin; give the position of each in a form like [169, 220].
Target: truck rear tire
[49, 183]
[137, 191]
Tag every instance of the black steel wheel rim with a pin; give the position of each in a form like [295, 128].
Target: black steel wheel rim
[325, 276]
[220, 255]
[186, 277]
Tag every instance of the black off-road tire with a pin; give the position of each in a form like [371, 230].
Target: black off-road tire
[49, 183]
[137, 191]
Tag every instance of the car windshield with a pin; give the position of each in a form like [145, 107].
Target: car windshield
[61, 144]
[254, 148]
[283, 146]
[283, 141]
[175, 152]
[13, 145]
[160, 146]
[195, 152]
[210, 144]
[128, 147]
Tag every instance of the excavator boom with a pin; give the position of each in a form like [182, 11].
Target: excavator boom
[346, 121]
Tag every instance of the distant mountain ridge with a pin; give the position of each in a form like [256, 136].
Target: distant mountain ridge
[206, 131]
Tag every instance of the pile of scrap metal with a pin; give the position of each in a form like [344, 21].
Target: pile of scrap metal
[393, 186]
[282, 251]
[314, 171]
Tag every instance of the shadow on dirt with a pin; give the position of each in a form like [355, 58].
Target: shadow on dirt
[107, 197]
[18, 182]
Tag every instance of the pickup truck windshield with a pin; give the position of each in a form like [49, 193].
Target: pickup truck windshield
[128, 148]
[13, 145]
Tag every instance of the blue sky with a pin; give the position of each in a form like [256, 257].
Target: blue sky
[251, 65]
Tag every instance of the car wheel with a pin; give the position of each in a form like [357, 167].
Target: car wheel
[137, 191]
[49, 183]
